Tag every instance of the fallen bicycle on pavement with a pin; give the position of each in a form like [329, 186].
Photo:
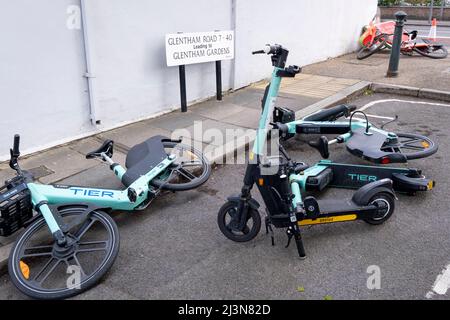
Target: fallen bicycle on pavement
[71, 241]
[377, 37]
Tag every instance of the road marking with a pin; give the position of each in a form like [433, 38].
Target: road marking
[372, 103]
[441, 285]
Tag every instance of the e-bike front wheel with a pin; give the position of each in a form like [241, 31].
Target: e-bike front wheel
[412, 146]
[190, 170]
[385, 203]
[42, 269]
[229, 225]
[432, 51]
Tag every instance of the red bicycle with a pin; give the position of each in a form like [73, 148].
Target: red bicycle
[376, 37]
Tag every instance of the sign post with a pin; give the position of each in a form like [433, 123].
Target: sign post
[199, 47]
[219, 80]
[182, 71]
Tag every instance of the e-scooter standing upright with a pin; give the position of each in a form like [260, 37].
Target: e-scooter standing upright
[280, 181]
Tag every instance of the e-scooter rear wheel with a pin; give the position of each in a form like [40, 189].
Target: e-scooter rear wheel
[386, 204]
[42, 269]
[228, 223]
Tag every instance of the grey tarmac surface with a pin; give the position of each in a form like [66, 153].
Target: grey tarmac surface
[174, 249]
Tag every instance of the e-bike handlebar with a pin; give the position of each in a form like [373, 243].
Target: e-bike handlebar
[16, 151]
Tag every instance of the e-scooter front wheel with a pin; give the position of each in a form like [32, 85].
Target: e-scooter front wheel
[42, 269]
[228, 222]
[386, 205]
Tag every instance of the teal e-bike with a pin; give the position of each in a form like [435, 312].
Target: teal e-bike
[282, 183]
[70, 241]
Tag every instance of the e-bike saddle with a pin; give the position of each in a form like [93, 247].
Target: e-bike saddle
[368, 146]
[144, 157]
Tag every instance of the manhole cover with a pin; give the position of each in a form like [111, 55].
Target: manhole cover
[40, 172]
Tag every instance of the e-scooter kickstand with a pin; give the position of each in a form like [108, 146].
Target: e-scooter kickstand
[293, 231]
[269, 229]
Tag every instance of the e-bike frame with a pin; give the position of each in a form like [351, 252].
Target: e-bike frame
[134, 197]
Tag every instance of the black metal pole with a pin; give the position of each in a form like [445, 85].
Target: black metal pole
[182, 70]
[396, 44]
[219, 80]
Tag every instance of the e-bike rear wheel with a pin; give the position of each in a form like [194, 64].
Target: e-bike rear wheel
[386, 204]
[228, 223]
[42, 269]
[190, 170]
[412, 146]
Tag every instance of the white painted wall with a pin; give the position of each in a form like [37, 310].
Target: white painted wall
[42, 88]
[129, 60]
[312, 30]
[42, 62]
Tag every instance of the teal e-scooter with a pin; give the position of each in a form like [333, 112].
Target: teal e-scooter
[282, 182]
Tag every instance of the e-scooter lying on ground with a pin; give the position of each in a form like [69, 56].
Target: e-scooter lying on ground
[281, 180]
[364, 140]
[71, 237]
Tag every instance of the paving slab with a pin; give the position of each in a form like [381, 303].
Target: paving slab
[247, 118]
[209, 130]
[84, 146]
[4, 255]
[217, 110]
[133, 134]
[176, 120]
[295, 101]
[62, 161]
[248, 97]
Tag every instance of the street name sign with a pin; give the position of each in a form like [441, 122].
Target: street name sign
[199, 47]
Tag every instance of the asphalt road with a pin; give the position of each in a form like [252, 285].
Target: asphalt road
[442, 31]
[174, 249]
